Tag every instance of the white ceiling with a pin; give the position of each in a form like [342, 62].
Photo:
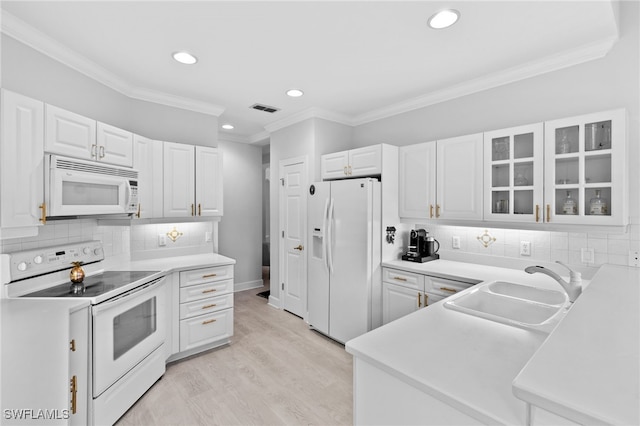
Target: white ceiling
[356, 61]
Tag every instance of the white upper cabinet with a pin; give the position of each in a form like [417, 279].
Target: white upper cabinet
[115, 146]
[73, 135]
[179, 183]
[208, 181]
[21, 166]
[586, 169]
[358, 162]
[459, 178]
[417, 180]
[513, 174]
[147, 159]
[192, 181]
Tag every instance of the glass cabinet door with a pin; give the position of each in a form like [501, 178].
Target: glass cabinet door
[514, 174]
[586, 169]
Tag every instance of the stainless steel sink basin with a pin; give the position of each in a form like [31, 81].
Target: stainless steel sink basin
[512, 304]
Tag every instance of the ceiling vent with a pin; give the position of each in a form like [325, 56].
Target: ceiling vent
[265, 108]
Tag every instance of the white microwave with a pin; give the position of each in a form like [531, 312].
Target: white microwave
[76, 187]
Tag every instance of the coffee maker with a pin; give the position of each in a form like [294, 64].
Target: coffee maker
[421, 247]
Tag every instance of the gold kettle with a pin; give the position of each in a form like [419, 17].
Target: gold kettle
[77, 273]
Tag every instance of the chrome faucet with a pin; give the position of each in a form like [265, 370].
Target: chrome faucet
[573, 287]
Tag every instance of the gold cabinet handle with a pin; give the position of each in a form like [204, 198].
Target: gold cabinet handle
[426, 298]
[537, 213]
[94, 150]
[345, 171]
[211, 290]
[400, 278]
[300, 247]
[74, 395]
[139, 210]
[43, 217]
[199, 209]
[450, 290]
[193, 213]
[350, 171]
[430, 211]
[437, 210]
[101, 151]
[419, 300]
[209, 306]
[72, 345]
[209, 275]
[208, 321]
[548, 212]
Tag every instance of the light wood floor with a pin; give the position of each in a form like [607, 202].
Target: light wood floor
[275, 372]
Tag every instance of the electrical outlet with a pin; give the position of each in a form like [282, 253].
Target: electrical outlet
[525, 248]
[587, 255]
[207, 236]
[162, 240]
[455, 242]
[634, 258]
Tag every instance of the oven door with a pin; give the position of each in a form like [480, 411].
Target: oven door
[126, 329]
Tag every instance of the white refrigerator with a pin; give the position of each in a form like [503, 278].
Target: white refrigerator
[344, 277]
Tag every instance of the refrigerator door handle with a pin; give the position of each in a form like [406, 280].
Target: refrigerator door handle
[325, 221]
[329, 236]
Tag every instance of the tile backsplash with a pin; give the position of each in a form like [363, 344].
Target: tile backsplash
[545, 246]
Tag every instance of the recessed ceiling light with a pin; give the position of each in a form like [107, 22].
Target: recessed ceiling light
[295, 93]
[228, 126]
[443, 19]
[185, 58]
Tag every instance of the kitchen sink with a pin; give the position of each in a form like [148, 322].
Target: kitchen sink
[512, 304]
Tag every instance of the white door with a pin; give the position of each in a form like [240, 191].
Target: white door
[115, 146]
[459, 182]
[179, 174]
[147, 159]
[21, 161]
[208, 181]
[71, 134]
[398, 301]
[293, 229]
[417, 175]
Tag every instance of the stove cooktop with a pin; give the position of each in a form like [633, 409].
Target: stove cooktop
[95, 285]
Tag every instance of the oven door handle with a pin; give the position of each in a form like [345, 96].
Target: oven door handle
[138, 291]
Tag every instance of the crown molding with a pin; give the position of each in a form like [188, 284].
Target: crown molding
[548, 64]
[28, 35]
[307, 114]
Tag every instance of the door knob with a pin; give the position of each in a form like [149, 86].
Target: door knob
[300, 247]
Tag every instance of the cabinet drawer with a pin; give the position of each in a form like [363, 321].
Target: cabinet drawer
[205, 290]
[206, 306]
[206, 329]
[407, 279]
[199, 276]
[443, 286]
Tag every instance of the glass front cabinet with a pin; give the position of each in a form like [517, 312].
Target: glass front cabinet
[514, 174]
[585, 169]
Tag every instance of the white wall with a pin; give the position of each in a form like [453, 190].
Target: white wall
[240, 230]
[34, 74]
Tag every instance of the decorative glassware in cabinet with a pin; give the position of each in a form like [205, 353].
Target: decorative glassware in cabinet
[567, 202]
[597, 136]
[500, 149]
[567, 140]
[500, 202]
[598, 203]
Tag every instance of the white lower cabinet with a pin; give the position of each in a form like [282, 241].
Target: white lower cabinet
[405, 292]
[205, 309]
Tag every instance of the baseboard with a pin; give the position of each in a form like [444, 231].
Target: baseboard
[248, 285]
[274, 302]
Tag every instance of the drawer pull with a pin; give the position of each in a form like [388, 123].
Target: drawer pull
[211, 290]
[209, 306]
[209, 275]
[419, 300]
[208, 321]
[399, 278]
[426, 300]
[451, 290]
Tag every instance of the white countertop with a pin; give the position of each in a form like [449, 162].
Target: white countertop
[469, 362]
[588, 370]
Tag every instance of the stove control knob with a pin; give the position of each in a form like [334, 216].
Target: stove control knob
[97, 251]
[86, 250]
[37, 260]
[22, 266]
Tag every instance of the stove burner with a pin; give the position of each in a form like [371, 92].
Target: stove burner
[77, 288]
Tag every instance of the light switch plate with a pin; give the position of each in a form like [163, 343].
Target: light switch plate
[634, 258]
[455, 242]
[162, 240]
[525, 248]
[587, 255]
